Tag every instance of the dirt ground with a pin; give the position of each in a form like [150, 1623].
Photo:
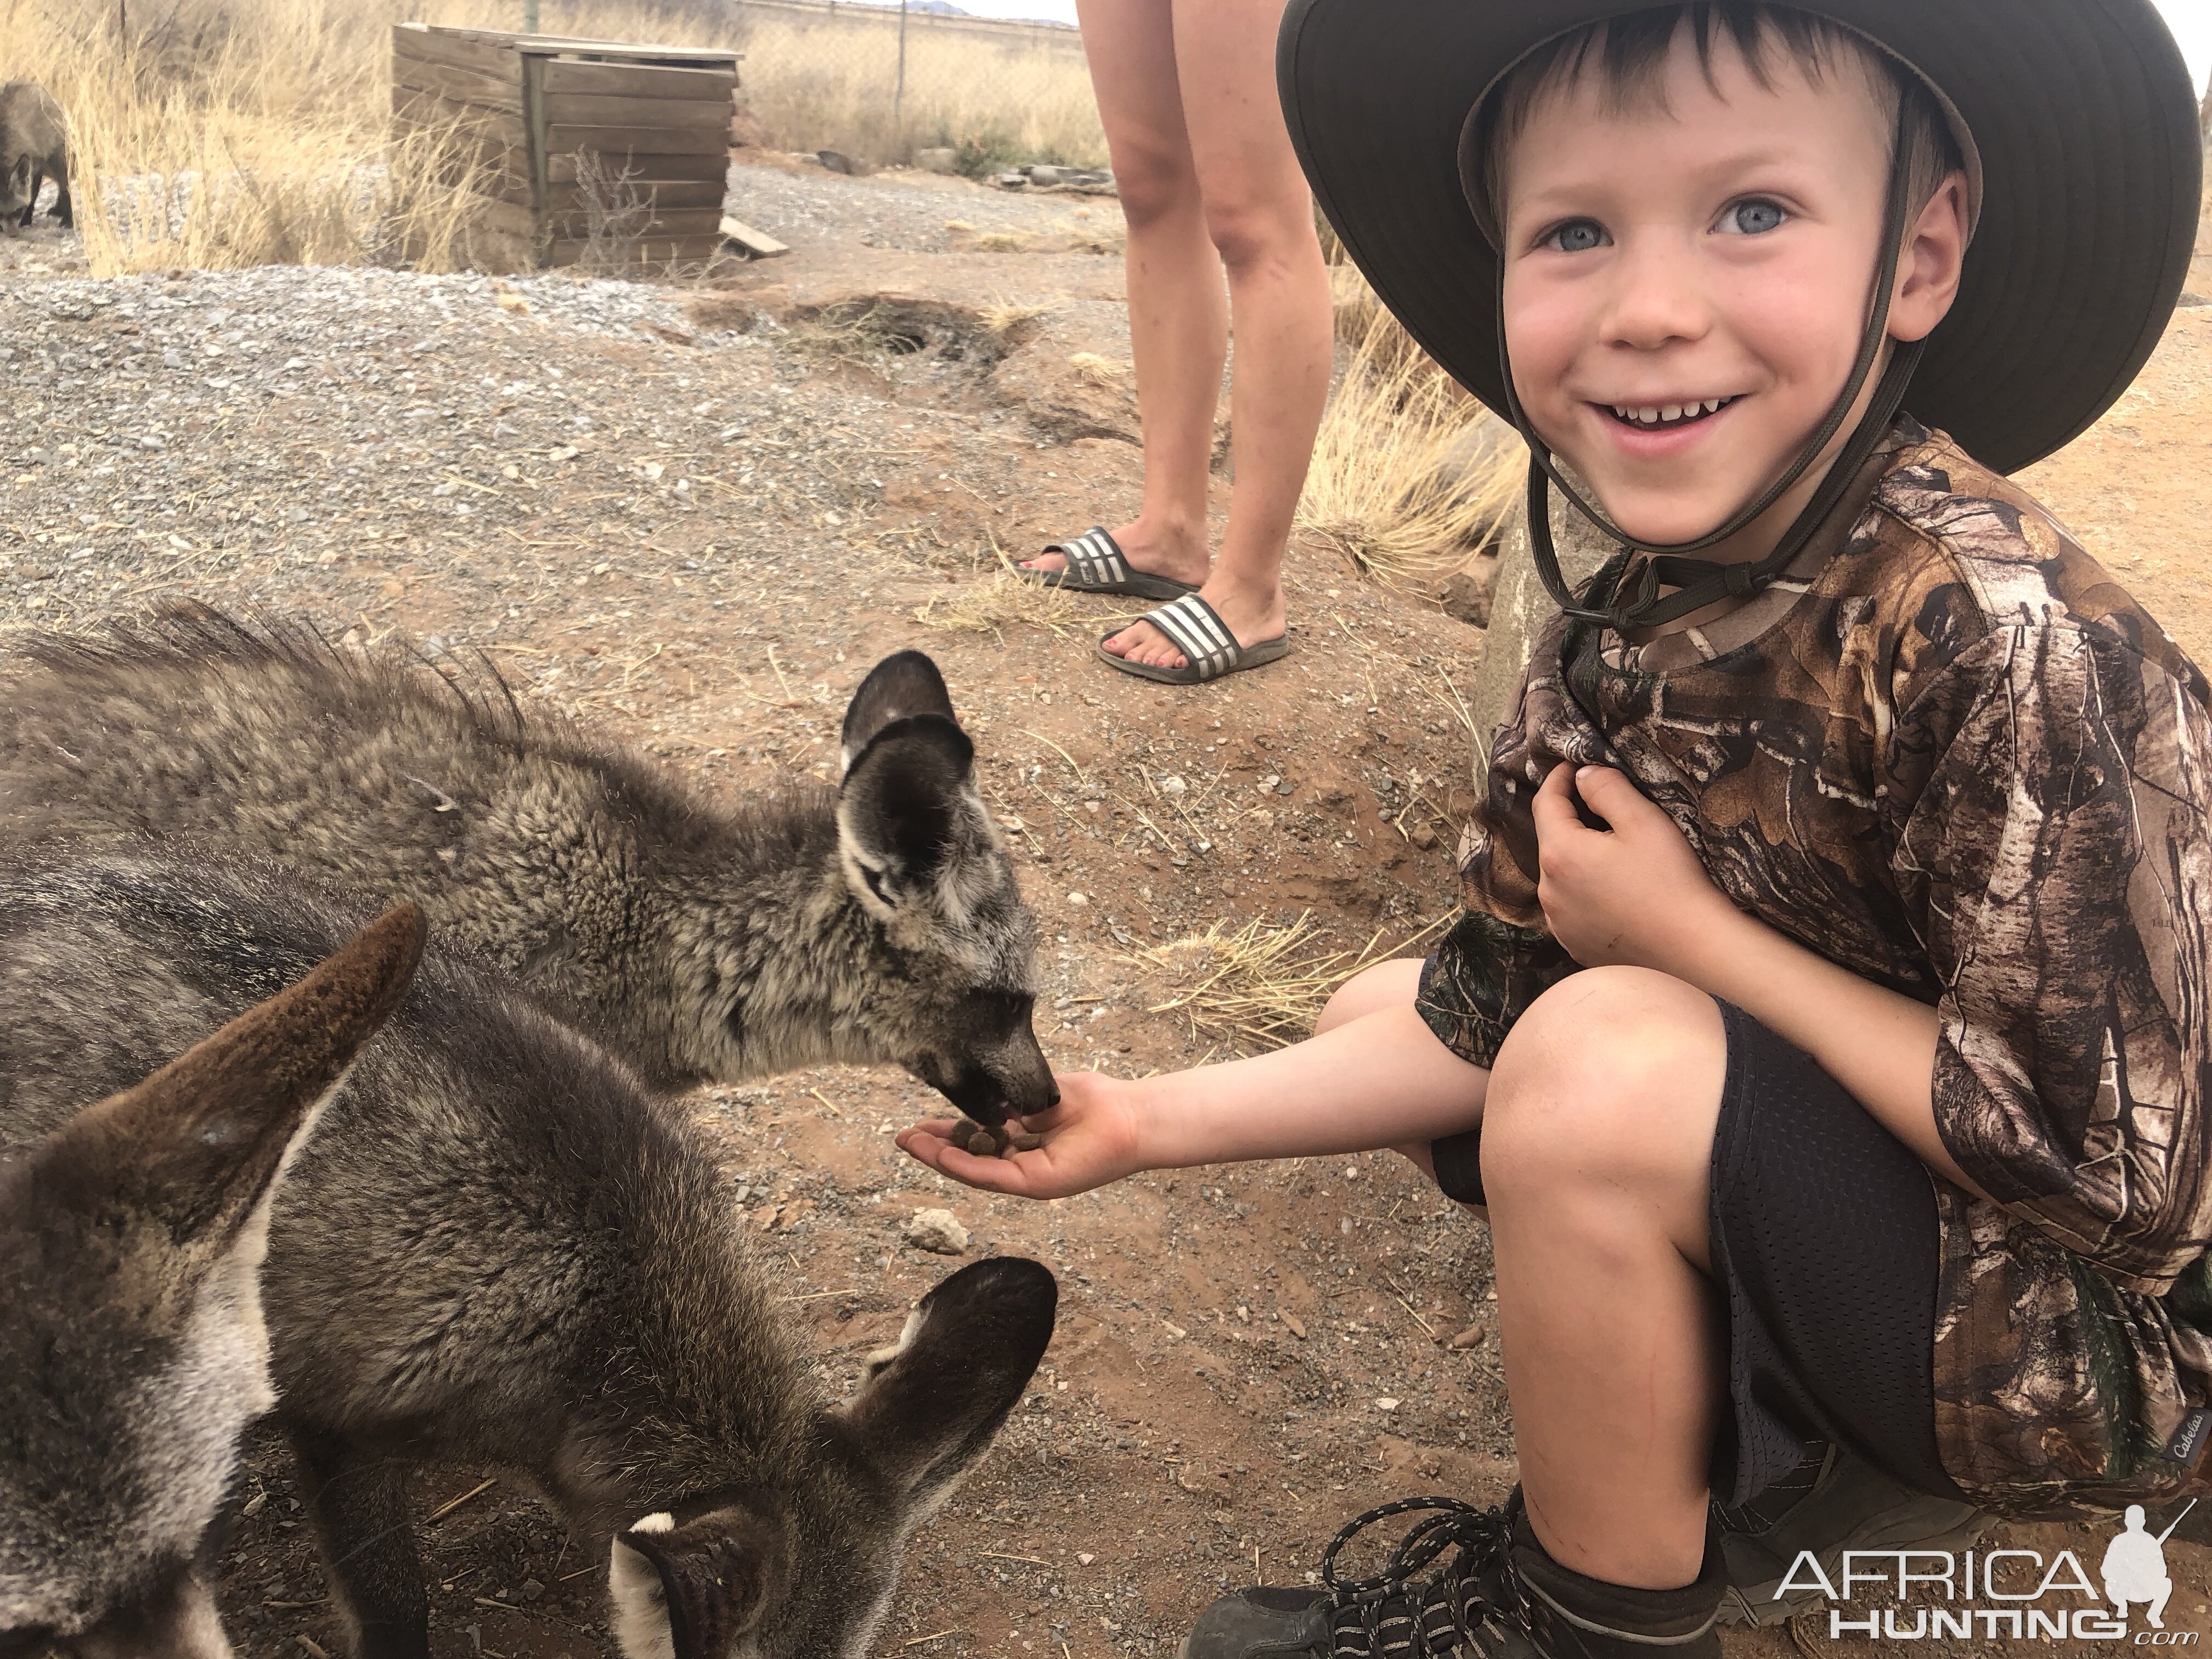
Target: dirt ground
[699, 529]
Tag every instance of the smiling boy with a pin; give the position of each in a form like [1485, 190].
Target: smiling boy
[1828, 1035]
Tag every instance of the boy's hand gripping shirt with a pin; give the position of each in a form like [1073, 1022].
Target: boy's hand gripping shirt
[1958, 760]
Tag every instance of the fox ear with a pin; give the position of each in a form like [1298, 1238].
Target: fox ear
[690, 1591]
[907, 683]
[906, 810]
[194, 1147]
[931, 1404]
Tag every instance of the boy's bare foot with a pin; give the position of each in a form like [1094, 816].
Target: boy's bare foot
[1157, 550]
[1254, 612]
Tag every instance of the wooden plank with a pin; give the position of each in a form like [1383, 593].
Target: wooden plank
[757, 243]
[584, 109]
[461, 86]
[460, 51]
[469, 124]
[637, 79]
[652, 250]
[561, 169]
[683, 221]
[638, 141]
[534, 116]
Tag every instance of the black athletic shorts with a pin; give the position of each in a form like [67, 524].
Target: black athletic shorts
[1825, 1252]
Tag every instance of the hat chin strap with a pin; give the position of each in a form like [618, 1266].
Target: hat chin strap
[1701, 582]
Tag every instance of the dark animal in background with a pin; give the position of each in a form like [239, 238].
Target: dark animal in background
[497, 1250]
[132, 1349]
[34, 148]
[877, 922]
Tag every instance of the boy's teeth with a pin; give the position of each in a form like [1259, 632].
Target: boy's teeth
[1655, 414]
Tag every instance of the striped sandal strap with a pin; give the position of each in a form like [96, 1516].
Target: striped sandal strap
[1196, 629]
[1093, 557]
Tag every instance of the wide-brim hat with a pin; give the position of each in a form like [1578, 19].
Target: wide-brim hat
[2081, 113]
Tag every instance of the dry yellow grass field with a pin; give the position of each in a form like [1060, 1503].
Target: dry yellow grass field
[225, 133]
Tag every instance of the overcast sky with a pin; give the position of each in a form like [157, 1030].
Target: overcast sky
[2189, 19]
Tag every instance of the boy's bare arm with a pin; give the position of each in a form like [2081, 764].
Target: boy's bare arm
[1382, 1080]
[1636, 896]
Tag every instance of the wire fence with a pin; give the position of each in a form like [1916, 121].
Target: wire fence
[880, 82]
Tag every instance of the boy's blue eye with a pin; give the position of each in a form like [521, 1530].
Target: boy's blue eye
[1754, 217]
[1578, 236]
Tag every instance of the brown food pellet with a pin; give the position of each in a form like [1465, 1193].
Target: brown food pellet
[982, 1143]
[1027, 1143]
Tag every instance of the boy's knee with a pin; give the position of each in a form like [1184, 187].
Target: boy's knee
[1389, 984]
[1595, 1070]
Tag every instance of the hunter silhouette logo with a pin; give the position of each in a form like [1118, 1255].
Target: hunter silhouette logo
[2134, 1567]
[2013, 1593]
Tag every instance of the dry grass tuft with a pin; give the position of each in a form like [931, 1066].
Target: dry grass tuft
[1410, 475]
[1001, 241]
[1004, 599]
[1003, 317]
[1089, 367]
[1260, 985]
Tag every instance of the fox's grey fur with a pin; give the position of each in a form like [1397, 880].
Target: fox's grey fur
[34, 148]
[499, 1249]
[132, 1348]
[879, 922]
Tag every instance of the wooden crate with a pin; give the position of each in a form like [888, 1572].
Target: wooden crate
[551, 123]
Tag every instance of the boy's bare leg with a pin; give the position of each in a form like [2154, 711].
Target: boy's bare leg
[1596, 1158]
[1178, 309]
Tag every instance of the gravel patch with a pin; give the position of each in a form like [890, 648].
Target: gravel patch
[904, 210]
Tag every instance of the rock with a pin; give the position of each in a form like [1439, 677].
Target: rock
[939, 1231]
[2188, 301]
[1009, 180]
[1520, 605]
[837, 161]
[1471, 1336]
[936, 160]
[1466, 594]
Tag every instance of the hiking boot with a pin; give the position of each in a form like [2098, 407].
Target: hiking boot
[1493, 1594]
[1837, 1502]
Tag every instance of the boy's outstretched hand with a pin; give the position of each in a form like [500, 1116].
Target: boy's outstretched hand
[1631, 895]
[1090, 1139]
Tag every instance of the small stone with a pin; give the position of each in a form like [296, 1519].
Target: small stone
[1084, 1560]
[1386, 1404]
[1172, 786]
[1078, 898]
[939, 1231]
[1294, 1325]
[1470, 1338]
[532, 1590]
[836, 161]
[149, 442]
[1423, 836]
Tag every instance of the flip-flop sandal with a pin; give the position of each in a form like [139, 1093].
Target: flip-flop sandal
[1096, 565]
[1210, 650]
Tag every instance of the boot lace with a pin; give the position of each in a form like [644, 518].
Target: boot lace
[1396, 1615]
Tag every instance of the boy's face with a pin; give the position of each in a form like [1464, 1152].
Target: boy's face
[1658, 261]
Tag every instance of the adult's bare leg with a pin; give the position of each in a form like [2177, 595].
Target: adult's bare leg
[1598, 1139]
[1178, 314]
[1259, 218]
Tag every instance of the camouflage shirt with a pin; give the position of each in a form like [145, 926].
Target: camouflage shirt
[1949, 753]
